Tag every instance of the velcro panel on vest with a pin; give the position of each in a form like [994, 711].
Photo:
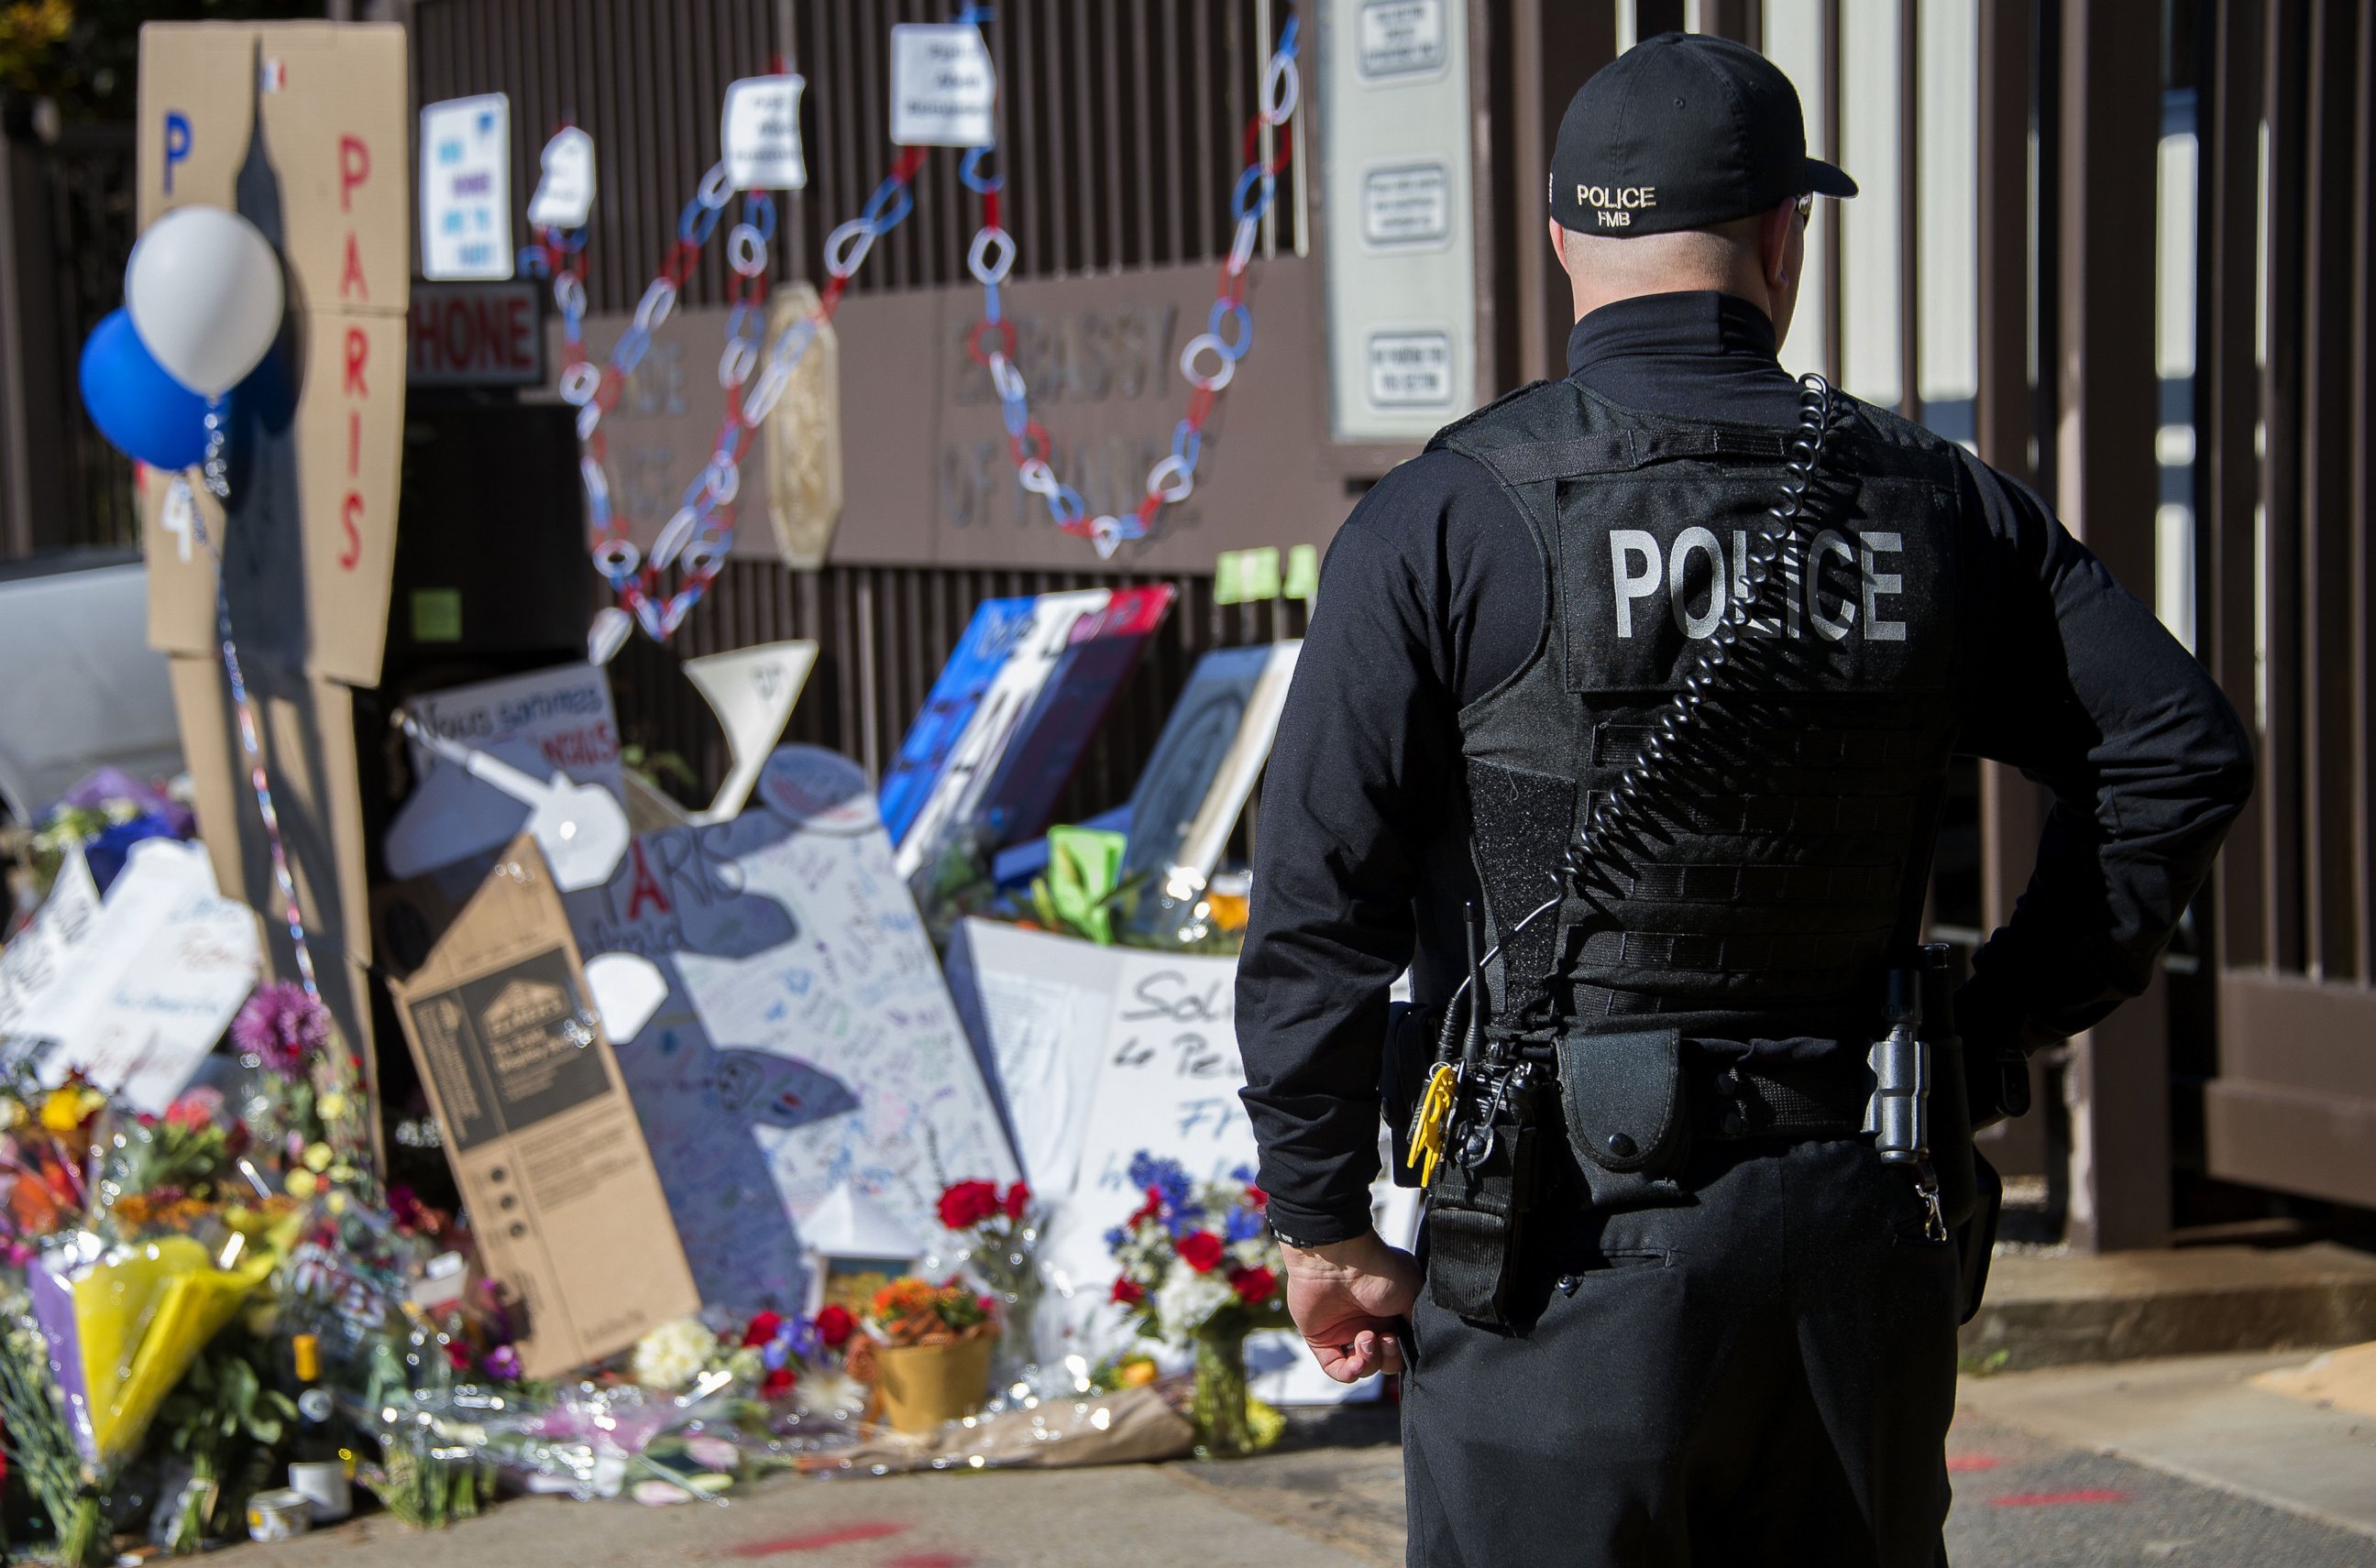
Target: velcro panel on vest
[1522, 823]
[1623, 1096]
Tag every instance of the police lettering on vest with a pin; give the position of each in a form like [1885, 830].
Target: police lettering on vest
[1834, 583]
[1614, 205]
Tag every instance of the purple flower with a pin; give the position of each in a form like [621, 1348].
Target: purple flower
[283, 1027]
[503, 1363]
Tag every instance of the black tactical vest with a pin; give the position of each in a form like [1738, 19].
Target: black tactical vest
[1774, 877]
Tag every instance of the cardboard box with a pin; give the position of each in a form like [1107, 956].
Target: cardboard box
[332, 100]
[543, 1138]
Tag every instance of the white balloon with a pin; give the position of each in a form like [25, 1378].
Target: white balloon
[204, 290]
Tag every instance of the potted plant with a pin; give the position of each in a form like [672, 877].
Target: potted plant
[927, 1347]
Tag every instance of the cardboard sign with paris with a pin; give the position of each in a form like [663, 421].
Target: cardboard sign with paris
[466, 187]
[565, 191]
[761, 134]
[942, 86]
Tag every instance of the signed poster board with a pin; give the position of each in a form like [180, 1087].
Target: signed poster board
[807, 1039]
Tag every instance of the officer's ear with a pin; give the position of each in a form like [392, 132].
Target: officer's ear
[1779, 252]
[1558, 241]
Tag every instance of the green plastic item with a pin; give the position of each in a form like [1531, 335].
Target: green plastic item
[1084, 872]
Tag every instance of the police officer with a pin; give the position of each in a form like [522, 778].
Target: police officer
[1725, 1330]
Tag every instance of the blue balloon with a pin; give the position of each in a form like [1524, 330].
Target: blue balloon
[137, 405]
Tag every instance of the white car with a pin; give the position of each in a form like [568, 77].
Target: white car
[80, 688]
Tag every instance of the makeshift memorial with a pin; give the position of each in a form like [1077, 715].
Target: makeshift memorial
[926, 1349]
[807, 1040]
[998, 1239]
[1199, 1269]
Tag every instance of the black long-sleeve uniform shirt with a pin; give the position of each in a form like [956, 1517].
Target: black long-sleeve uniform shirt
[1433, 593]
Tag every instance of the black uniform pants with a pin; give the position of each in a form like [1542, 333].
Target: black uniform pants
[1762, 1374]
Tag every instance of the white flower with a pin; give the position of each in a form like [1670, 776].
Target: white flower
[673, 1354]
[1186, 1299]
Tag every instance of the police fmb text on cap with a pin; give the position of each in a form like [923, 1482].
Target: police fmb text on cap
[1682, 131]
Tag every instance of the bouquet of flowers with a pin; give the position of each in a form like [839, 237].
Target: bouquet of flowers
[1199, 1270]
[998, 1235]
[926, 1350]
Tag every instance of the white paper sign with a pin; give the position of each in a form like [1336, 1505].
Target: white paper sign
[806, 1039]
[154, 979]
[761, 133]
[564, 192]
[549, 720]
[1401, 38]
[1408, 204]
[1103, 1053]
[752, 690]
[36, 965]
[466, 188]
[943, 87]
[1411, 370]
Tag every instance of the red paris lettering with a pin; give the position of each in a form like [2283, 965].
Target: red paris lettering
[355, 442]
[347, 515]
[358, 351]
[350, 280]
[354, 168]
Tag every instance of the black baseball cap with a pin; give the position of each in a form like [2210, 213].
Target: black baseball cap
[1682, 131]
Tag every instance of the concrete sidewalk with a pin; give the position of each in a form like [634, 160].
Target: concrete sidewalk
[2201, 1418]
[2179, 1462]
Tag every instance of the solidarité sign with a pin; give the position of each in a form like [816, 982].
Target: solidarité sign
[476, 334]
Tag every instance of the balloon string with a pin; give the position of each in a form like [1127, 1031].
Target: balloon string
[216, 470]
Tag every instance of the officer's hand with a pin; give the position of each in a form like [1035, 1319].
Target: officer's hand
[1346, 1298]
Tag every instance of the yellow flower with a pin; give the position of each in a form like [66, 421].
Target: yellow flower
[333, 1105]
[318, 1158]
[337, 1202]
[299, 1183]
[66, 1108]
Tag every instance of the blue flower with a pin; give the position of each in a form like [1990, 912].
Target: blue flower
[1116, 1237]
[1168, 1179]
[1243, 1174]
[1244, 1224]
[1183, 1220]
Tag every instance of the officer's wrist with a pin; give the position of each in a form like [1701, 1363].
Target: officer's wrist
[1355, 1255]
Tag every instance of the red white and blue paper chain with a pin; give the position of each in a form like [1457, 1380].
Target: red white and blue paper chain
[1207, 363]
[700, 534]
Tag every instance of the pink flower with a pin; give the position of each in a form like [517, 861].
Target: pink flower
[197, 1110]
[282, 1026]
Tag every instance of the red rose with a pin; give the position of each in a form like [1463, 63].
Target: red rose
[1019, 1198]
[778, 1383]
[835, 1326]
[1128, 1292]
[1254, 1285]
[1151, 1208]
[763, 1329]
[965, 1205]
[1256, 1196]
[1200, 1250]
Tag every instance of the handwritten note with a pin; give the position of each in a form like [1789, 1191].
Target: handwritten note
[465, 186]
[943, 86]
